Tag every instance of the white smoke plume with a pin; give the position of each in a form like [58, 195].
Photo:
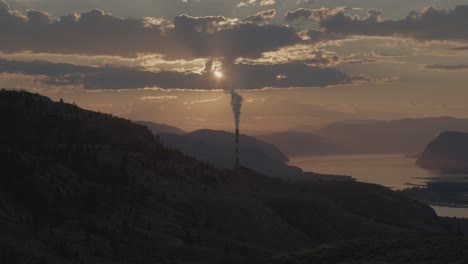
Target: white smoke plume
[236, 104]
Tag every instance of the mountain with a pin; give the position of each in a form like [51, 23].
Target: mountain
[397, 136]
[448, 152]
[83, 187]
[299, 143]
[217, 148]
[161, 128]
[226, 139]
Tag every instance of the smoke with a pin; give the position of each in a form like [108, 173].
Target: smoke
[236, 104]
[236, 99]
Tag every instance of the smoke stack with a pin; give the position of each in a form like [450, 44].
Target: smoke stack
[237, 152]
[236, 103]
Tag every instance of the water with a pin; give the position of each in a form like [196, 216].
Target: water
[451, 211]
[391, 170]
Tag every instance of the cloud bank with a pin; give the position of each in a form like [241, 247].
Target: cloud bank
[446, 67]
[428, 24]
[254, 54]
[99, 33]
[241, 76]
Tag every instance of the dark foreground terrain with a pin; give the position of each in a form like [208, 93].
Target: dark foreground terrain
[83, 187]
[402, 250]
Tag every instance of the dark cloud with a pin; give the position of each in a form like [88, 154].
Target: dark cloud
[319, 35]
[222, 37]
[98, 33]
[460, 48]
[239, 76]
[445, 67]
[303, 2]
[282, 76]
[299, 14]
[42, 68]
[428, 24]
[262, 16]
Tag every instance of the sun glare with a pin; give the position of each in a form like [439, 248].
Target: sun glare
[218, 74]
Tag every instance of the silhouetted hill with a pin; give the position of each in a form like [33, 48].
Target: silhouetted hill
[299, 143]
[448, 152]
[248, 143]
[397, 136]
[83, 187]
[161, 128]
[217, 148]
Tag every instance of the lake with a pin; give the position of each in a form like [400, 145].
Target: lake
[395, 171]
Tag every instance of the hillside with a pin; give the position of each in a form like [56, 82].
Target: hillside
[448, 152]
[401, 250]
[217, 148]
[161, 128]
[398, 136]
[300, 143]
[84, 187]
[248, 143]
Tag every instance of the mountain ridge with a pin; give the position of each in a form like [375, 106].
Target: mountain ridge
[158, 128]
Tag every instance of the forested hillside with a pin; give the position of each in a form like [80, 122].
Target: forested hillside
[84, 187]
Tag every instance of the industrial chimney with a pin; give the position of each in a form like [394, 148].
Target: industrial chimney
[237, 152]
[236, 103]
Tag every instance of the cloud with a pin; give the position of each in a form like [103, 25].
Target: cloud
[204, 101]
[247, 3]
[300, 14]
[445, 67]
[428, 24]
[262, 16]
[159, 98]
[99, 33]
[302, 2]
[267, 2]
[310, 55]
[294, 75]
[460, 48]
[238, 76]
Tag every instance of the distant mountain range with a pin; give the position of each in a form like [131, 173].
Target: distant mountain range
[300, 143]
[397, 136]
[448, 152]
[405, 136]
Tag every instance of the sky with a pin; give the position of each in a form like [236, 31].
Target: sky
[299, 64]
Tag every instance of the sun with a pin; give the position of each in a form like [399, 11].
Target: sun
[218, 74]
